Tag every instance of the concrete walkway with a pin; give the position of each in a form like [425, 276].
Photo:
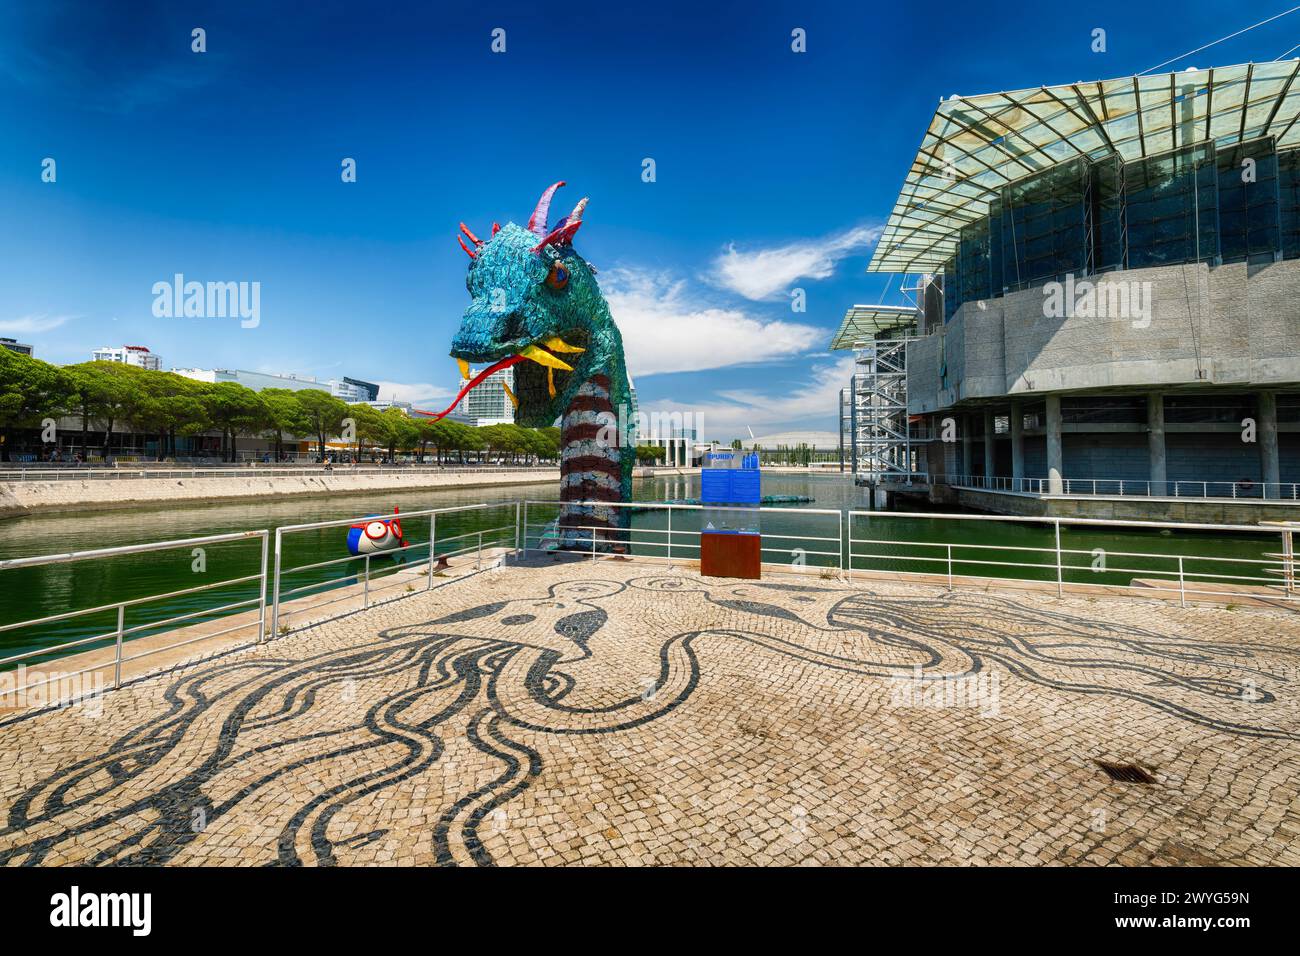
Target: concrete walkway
[579, 712]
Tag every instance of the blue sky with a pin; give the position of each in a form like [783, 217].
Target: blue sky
[774, 170]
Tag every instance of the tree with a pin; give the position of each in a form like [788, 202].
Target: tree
[164, 403]
[371, 429]
[284, 413]
[30, 390]
[430, 431]
[552, 436]
[649, 453]
[323, 414]
[462, 438]
[236, 410]
[394, 429]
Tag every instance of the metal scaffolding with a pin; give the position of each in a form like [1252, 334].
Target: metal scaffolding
[882, 447]
[873, 409]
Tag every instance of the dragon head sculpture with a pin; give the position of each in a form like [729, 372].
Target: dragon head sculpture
[536, 306]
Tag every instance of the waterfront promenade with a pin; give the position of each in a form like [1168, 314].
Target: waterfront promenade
[109, 489]
[563, 712]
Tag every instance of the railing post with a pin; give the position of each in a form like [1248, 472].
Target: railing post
[1060, 574]
[1182, 587]
[261, 603]
[365, 590]
[839, 530]
[517, 515]
[478, 560]
[433, 546]
[670, 537]
[117, 651]
[1288, 556]
[275, 596]
[949, 567]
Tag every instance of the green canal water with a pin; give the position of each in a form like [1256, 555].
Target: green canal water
[30, 593]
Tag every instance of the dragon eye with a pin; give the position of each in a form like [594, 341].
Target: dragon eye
[558, 277]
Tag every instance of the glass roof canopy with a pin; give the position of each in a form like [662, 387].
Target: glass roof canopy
[977, 144]
[862, 322]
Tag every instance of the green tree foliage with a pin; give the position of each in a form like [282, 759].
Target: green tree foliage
[235, 410]
[648, 453]
[284, 413]
[323, 414]
[30, 391]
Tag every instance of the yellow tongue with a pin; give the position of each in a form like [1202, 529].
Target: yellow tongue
[510, 395]
[550, 381]
[464, 367]
[542, 357]
[558, 344]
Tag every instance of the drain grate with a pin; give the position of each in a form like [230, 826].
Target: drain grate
[1125, 772]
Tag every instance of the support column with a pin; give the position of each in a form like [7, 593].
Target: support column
[1266, 435]
[1156, 441]
[967, 459]
[1017, 441]
[1055, 485]
[989, 460]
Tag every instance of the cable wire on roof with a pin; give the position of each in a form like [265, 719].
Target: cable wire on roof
[1277, 16]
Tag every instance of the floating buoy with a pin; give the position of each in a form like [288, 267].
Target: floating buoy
[375, 535]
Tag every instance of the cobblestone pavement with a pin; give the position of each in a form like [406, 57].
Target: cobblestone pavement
[620, 714]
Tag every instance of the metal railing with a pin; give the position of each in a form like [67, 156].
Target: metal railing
[684, 540]
[1141, 488]
[965, 561]
[97, 473]
[474, 541]
[122, 633]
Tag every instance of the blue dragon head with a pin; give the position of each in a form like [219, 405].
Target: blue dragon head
[536, 307]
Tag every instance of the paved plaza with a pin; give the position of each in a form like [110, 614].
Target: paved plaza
[617, 713]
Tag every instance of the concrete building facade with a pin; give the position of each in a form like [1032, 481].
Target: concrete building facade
[1108, 299]
[137, 355]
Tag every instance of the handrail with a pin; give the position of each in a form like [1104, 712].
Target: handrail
[952, 556]
[121, 632]
[1245, 488]
[278, 593]
[671, 533]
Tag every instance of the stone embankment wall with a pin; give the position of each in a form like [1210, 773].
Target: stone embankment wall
[26, 497]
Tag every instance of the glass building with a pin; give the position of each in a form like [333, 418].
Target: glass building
[1107, 280]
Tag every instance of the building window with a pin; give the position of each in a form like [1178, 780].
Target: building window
[1107, 214]
[1045, 225]
[973, 262]
[1171, 206]
[951, 290]
[1288, 181]
[1248, 202]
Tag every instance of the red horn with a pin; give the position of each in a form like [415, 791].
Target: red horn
[472, 238]
[468, 251]
[537, 221]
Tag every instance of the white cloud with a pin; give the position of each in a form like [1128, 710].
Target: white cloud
[419, 394]
[763, 273]
[728, 413]
[31, 324]
[666, 328]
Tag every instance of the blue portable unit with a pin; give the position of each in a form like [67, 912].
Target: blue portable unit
[730, 491]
